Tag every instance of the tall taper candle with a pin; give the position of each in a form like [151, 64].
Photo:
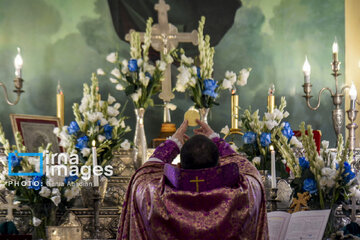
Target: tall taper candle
[18, 63]
[353, 95]
[271, 99]
[60, 104]
[234, 110]
[335, 50]
[95, 163]
[306, 70]
[273, 167]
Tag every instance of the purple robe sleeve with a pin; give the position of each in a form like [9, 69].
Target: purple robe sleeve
[165, 152]
[224, 147]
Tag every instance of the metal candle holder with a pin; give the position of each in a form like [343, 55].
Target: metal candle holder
[97, 200]
[352, 126]
[18, 82]
[338, 112]
[273, 201]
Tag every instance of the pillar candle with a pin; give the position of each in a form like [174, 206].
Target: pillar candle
[94, 158]
[234, 110]
[273, 167]
[18, 63]
[60, 101]
[306, 70]
[271, 99]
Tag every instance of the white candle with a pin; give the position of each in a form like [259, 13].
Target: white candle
[335, 50]
[94, 157]
[353, 95]
[273, 167]
[18, 62]
[306, 70]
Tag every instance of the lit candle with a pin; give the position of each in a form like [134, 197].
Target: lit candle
[18, 63]
[234, 110]
[273, 167]
[271, 99]
[335, 50]
[60, 104]
[94, 157]
[306, 70]
[353, 95]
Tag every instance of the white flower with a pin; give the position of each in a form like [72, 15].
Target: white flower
[45, 192]
[125, 145]
[112, 112]
[103, 122]
[124, 68]
[226, 84]
[243, 76]
[161, 65]
[71, 193]
[225, 130]
[355, 192]
[111, 99]
[286, 114]
[136, 96]
[119, 87]
[56, 131]
[112, 57]
[36, 221]
[113, 80]
[149, 68]
[85, 152]
[324, 144]
[278, 115]
[101, 138]
[117, 105]
[95, 116]
[113, 121]
[56, 199]
[294, 141]
[231, 76]
[99, 71]
[35, 162]
[55, 192]
[270, 124]
[256, 160]
[187, 60]
[115, 72]
[122, 124]
[127, 129]
[144, 79]
[326, 182]
[139, 62]
[171, 106]
[328, 172]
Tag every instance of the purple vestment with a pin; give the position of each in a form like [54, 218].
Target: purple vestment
[166, 202]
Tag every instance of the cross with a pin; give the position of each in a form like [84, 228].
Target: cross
[353, 207]
[164, 37]
[9, 206]
[196, 181]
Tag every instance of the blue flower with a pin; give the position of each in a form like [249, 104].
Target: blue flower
[249, 137]
[73, 127]
[287, 131]
[108, 131]
[303, 163]
[147, 74]
[198, 72]
[70, 179]
[310, 185]
[347, 174]
[209, 88]
[15, 161]
[82, 142]
[132, 65]
[36, 183]
[265, 139]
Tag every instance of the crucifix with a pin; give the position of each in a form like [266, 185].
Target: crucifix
[9, 206]
[196, 181]
[164, 38]
[353, 208]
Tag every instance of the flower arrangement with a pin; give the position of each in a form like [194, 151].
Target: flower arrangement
[259, 134]
[140, 79]
[198, 80]
[45, 194]
[95, 120]
[327, 176]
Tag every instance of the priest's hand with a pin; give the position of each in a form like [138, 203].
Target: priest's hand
[180, 132]
[204, 129]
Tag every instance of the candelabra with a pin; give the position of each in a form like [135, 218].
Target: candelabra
[18, 81]
[338, 112]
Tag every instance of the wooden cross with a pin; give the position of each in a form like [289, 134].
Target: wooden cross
[353, 207]
[9, 206]
[196, 181]
[165, 37]
[300, 203]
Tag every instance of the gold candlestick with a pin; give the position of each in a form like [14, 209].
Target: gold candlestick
[234, 110]
[60, 104]
[271, 99]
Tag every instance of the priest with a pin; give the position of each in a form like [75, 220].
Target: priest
[214, 194]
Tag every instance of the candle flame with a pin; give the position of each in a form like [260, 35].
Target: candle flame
[233, 91]
[306, 67]
[271, 148]
[335, 46]
[18, 62]
[353, 92]
[59, 89]
[94, 143]
[271, 89]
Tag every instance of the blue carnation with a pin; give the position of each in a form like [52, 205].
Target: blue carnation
[73, 127]
[209, 88]
[249, 137]
[108, 131]
[265, 139]
[132, 65]
[347, 174]
[82, 142]
[36, 183]
[303, 163]
[70, 179]
[15, 161]
[287, 131]
[310, 185]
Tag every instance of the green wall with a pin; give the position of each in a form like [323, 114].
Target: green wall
[68, 40]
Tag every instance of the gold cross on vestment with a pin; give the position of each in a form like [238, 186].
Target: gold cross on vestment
[196, 181]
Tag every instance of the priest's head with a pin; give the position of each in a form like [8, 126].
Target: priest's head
[199, 152]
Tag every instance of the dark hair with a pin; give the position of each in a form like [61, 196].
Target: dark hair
[199, 152]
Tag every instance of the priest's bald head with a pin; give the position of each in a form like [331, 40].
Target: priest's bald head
[199, 152]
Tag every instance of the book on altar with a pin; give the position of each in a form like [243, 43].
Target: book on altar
[300, 225]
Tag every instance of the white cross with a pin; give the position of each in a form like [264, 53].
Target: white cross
[9, 206]
[165, 37]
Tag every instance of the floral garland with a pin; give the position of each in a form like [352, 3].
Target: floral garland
[198, 80]
[140, 79]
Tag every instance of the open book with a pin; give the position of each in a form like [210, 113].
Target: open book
[303, 225]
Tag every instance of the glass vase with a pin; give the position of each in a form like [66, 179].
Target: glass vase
[204, 112]
[140, 145]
